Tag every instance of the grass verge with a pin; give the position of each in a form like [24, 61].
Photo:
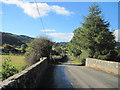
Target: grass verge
[75, 61]
[17, 61]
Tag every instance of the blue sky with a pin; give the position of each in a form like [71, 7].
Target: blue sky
[59, 18]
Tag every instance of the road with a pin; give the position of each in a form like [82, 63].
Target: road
[69, 75]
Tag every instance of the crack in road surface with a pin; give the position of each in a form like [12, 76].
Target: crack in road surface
[69, 75]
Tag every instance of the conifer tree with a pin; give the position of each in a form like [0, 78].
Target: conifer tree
[95, 34]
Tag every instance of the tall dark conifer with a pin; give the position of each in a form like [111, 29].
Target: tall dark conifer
[95, 34]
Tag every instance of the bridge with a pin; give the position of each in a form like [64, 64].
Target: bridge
[65, 75]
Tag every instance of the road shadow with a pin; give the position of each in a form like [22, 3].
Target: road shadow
[74, 64]
[47, 80]
[55, 77]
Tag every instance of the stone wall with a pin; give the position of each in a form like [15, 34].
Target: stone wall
[104, 65]
[28, 78]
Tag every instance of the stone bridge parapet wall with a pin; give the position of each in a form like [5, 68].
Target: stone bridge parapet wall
[104, 65]
[28, 78]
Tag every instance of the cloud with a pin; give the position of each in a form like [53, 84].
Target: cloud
[61, 10]
[44, 8]
[116, 33]
[67, 36]
[47, 30]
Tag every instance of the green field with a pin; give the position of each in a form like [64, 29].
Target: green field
[17, 61]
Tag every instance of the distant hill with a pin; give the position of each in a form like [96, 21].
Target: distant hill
[15, 40]
[62, 43]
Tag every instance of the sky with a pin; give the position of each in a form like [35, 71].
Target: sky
[57, 20]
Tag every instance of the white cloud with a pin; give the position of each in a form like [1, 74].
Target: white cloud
[47, 30]
[67, 36]
[44, 8]
[61, 10]
[116, 33]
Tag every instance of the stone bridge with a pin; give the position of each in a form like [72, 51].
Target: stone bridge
[66, 75]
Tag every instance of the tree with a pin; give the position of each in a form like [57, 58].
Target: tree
[7, 46]
[23, 47]
[39, 47]
[58, 49]
[73, 47]
[54, 45]
[9, 49]
[94, 35]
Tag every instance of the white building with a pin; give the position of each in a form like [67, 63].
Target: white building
[117, 35]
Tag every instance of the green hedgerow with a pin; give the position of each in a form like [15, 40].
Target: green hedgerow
[8, 69]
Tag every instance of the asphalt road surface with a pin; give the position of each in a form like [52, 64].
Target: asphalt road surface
[69, 75]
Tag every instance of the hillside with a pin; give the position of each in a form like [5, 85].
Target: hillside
[15, 40]
[62, 43]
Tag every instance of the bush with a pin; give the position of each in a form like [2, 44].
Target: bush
[110, 56]
[8, 69]
[39, 47]
[58, 49]
[118, 56]
[84, 54]
[23, 47]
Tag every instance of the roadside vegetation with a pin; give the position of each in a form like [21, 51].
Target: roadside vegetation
[16, 59]
[75, 60]
[11, 64]
[93, 39]
[39, 47]
[8, 69]
[58, 54]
